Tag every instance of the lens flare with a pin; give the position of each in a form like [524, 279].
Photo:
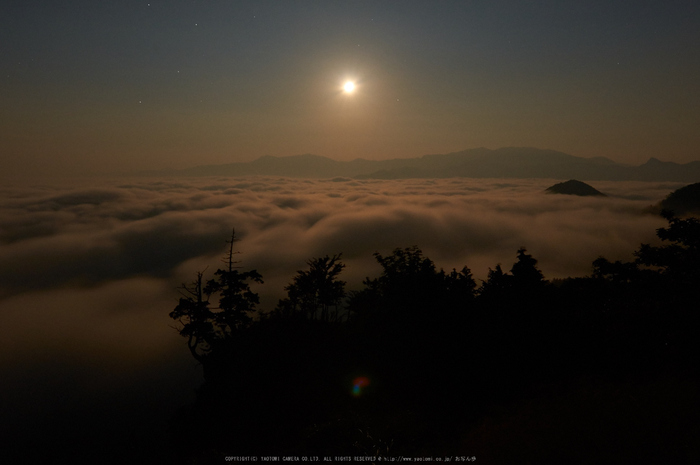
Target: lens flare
[358, 384]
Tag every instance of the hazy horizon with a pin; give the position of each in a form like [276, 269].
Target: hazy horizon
[58, 178]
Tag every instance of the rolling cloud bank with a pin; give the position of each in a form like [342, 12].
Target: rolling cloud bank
[89, 274]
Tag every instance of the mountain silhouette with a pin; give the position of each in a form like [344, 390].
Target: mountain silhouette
[683, 201]
[507, 162]
[574, 187]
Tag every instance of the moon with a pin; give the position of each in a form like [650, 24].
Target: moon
[349, 87]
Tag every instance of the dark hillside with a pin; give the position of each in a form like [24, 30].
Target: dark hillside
[574, 187]
[425, 362]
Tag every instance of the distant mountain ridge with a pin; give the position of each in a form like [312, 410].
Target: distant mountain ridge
[507, 162]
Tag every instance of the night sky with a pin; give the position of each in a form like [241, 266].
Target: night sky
[90, 87]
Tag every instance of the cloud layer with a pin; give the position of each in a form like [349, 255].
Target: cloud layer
[84, 236]
[88, 273]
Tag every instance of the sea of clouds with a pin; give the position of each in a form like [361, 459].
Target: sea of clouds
[89, 270]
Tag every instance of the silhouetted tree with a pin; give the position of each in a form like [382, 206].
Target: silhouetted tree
[285, 385]
[460, 287]
[617, 272]
[523, 282]
[196, 318]
[525, 272]
[236, 300]
[204, 327]
[674, 267]
[411, 287]
[315, 293]
[408, 278]
[680, 260]
[496, 284]
[672, 286]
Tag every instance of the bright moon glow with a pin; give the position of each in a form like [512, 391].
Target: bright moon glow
[349, 86]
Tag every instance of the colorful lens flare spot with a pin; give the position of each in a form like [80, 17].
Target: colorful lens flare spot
[358, 384]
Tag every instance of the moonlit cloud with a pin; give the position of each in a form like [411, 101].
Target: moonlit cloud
[88, 274]
[79, 237]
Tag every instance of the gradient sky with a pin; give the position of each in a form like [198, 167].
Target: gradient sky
[96, 86]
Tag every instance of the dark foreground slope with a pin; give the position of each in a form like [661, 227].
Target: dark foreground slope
[423, 362]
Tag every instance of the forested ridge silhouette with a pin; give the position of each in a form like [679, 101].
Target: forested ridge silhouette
[601, 368]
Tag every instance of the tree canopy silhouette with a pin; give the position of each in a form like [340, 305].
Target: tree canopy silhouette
[315, 293]
[442, 354]
[196, 318]
[679, 260]
[204, 327]
[410, 286]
